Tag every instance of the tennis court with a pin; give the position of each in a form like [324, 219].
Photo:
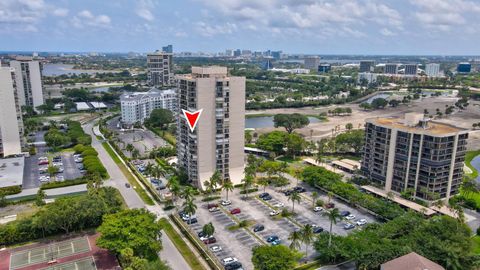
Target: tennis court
[82, 264]
[49, 252]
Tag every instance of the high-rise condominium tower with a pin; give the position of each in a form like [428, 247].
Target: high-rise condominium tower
[160, 69]
[217, 142]
[11, 124]
[28, 77]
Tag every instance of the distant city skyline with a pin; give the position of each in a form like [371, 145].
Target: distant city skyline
[369, 27]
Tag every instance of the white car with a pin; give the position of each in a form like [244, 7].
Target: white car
[44, 178]
[186, 217]
[78, 160]
[279, 205]
[229, 260]
[213, 209]
[318, 209]
[274, 213]
[361, 222]
[42, 158]
[225, 202]
[216, 248]
[60, 178]
[350, 217]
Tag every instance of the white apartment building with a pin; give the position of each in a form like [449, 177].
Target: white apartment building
[432, 70]
[136, 107]
[11, 123]
[28, 77]
[160, 69]
[217, 142]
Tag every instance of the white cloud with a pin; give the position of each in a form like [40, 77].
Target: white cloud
[208, 30]
[87, 18]
[20, 12]
[143, 10]
[386, 32]
[60, 12]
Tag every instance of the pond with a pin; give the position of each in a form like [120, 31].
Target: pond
[370, 100]
[267, 121]
[61, 69]
[476, 164]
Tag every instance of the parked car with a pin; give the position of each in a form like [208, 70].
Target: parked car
[361, 222]
[210, 240]
[263, 195]
[229, 260]
[225, 202]
[267, 198]
[276, 242]
[60, 178]
[192, 221]
[258, 228]
[272, 238]
[43, 162]
[299, 189]
[233, 266]
[186, 217]
[317, 209]
[348, 226]
[288, 192]
[278, 205]
[344, 213]
[274, 213]
[350, 217]
[317, 229]
[127, 185]
[213, 209]
[329, 205]
[235, 211]
[216, 248]
[78, 160]
[211, 205]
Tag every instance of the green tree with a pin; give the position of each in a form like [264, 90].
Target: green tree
[160, 118]
[295, 239]
[333, 216]
[294, 197]
[208, 229]
[295, 144]
[290, 121]
[190, 208]
[247, 183]
[132, 228]
[52, 170]
[379, 103]
[39, 199]
[228, 187]
[307, 236]
[349, 126]
[315, 196]
[274, 258]
[188, 193]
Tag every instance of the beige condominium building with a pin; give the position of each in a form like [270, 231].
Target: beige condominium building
[11, 124]
[160, 69]
[28, 77]
[415, 154]
[217, 142]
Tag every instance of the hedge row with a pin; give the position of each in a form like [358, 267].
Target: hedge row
[67, 183]
[10, 190]
[76, 133]
[91, 162]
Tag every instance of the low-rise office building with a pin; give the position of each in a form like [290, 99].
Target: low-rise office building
[136, 107]
[414, 155]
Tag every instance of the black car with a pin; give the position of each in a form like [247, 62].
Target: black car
[267, 198]
[265, 194]
[191, 221]
[317, 229]
[344, 213]
[233, 266]
[288, 192]
[201, 234]
[258, 228]
[299, 189]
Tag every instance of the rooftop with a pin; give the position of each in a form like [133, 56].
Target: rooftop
[150, 93]
[421, 126]
[11, 171]
[411, 261]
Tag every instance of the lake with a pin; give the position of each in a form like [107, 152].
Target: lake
[61, 69]
[476, 164]
[267, 121]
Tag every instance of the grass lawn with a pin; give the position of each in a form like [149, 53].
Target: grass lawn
[289, 159]
[468, 159]
[177, 240]
[476, 244]
[138, 188]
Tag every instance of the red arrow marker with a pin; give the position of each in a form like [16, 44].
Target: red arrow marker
[192, 118]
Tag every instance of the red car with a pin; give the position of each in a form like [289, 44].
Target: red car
[210, 240]
[329, 205]
[43, 162]
[211, 205]
[235, 211]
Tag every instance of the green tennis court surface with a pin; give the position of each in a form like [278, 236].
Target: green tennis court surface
[82, 264]
[48, 253]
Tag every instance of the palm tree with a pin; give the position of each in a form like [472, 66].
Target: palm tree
[228, 187]
[158, 171]
[294, 197]
[307, 236]
[174, 187]
[247, 183]
[215, 180]
[315, 196]
[263, 182]
[333, 215]
[188, 193]
[129, 147]
[148, 169]
[296, 240]
[135, 153]
[190, 208]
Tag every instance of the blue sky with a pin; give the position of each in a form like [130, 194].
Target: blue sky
[295, 26]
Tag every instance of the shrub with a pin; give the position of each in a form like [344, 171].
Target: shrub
[10, 190]
[90, 151]
[79, 148]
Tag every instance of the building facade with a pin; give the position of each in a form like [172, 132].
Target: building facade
[411, 69]
[312, 62]
[367, 66]
[11, 123]
[160, 69]
[432, 70]
[136, 107]
[217, 142]
[415, 155]
[28, 78]
[464, 67]
[367, 76]
[168, 49]
[391, 69]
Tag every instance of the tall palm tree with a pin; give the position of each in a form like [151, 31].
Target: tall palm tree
[148, 169]
[295, 240]
[190, 208]
[188, 193]
[333, 215]
[158, 171]
[215, 180]
[174, 187]
[129, 147]
[315, 196]
[294, 197]
[228, 187]
[247, 183]
[307, 236]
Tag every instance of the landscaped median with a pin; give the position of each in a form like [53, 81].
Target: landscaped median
[135, 184]
[177, 240]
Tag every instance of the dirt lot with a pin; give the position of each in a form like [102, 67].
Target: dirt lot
[463, 119]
